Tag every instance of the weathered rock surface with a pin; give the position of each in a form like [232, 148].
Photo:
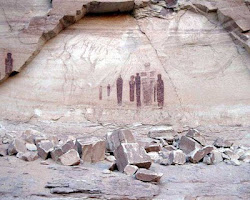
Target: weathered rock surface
[70, 158]
[187, 145]
[44, 148]
[214, 157]
[153, 148]
[3, 150]
[27, 156]
[30, 135]
[91, 149]
[16, 146]
[31, 147]
[146, 175]
[130, 170]
[197, 136]
[197, 155]
[177, 157]
[220, 142]
[131, 154]
[162, 132]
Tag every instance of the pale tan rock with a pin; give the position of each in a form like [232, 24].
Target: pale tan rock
[44, 148]
[197, 136]
[31, 147]
[154, 156]
[30, 134]
[27, 156]
[16, 146]
[146, 175]
[197, 155]
[177, 157]
[70, 158]
[187, 145]
[220, 142]
[130, 170]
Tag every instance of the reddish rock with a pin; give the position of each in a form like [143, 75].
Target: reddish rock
[153, 148]
[177, 157]
[131, 154]
[44, 148]
[148, 175]
[187, 145]
[117, 137]
[197, 155]
[196, 135]
[16, 146]
[70, 158]
[130, 170]
[91, 149]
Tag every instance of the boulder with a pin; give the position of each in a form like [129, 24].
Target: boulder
[196, 135]
[91, 149]
[169, 148]
[7, 138]
[187, 144]
[177, 157]
[27, 156]
[154, 156]
[70, 158]
[221, 143]
[117, 137]
[56, 153]
[31, 147]
[148, 175]
[44, 148]
[131, 154]
[162, 132]
[3, 150]
[198, 154]
[130, 170]
[16, 146]
[153, 148]
[30, 135]
[214, 157]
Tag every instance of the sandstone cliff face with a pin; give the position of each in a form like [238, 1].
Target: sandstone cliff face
[205, 73]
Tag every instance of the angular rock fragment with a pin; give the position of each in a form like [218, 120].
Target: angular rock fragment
[44, 148]
[27, 156]
[38, 139]
[68, 145]
[153, 148]
[187, 145]
[162, 132]
[130, 170]
[117, 137]
[146, 175]
[7, 138]
[195, 134]
[214, 157]
[91, 149]
[219, 142]
[30, 135]
[131, 154]
[154, 156]
[56, 153]
[3, 150]
[177, 157]
[110, 158]
[233, 162]
[16, 146]
[197, 155]
[31, 147]
[70, 158]
[169, 148]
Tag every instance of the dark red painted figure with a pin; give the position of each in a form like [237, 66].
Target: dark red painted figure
[100, 93]
[132, 88]
[138, 89]
[119, 87]
[8, 63]
[108, 90]
[160, 91]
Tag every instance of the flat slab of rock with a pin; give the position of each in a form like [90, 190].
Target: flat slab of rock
[131, 154]
[187, 145]
[146, 175]
[130, 170]
[177, 157]
[197, 136]
[44, 148]
[117, 137]
[159, 132]
[197, 155]
[16, 146]
[153, 148]
[70, 158]
[91, 149]
[221, 143]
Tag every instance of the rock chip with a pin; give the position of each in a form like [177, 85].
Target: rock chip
[130, 170]
[197, 155]
[117, 137]
[187, 144]
[177, 157]
[7, 138]
[196, 135]
[219, 142]
[162, 132]
[27, 156]
[16, 146]
[131, 154]
[44, 148]
[153, 148]
[31, 147]
[70, 158]
[91, 149]
[146, 175]
[154, 156]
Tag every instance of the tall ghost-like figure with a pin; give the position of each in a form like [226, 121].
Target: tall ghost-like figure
[132, 88]
[119, 87]
[100, 93]
[108, 90]
[138, 89]
[160, 91]
[8, 63]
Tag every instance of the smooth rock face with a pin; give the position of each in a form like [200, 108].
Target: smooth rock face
[70, 158]
[146, 175]
[177, 157]
[91, 149]
[17, 146]
[220, 142]
[117, 137]
[196, 135]
[187, 145]
[130, 170]
[131, 154]
[44, 148]
[198, 155]
[31, 147]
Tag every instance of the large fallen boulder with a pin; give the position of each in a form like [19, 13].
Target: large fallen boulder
[221, 143]
[27, 156]
[214, 157]
[198, 154]
[16, 146]
[91, 149]
[177, 157]
[70, 158]
[117, 137]
[146, 175]
[30, 135]
[187, 145]
[131, 154]
[196, 135]
[44, 148]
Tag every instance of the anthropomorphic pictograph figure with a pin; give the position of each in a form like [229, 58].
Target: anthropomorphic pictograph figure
[132, 88]
[138, 89]
[108, 90]
[8, 64]
[160, 91]
[119, 87]
[100, 93]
